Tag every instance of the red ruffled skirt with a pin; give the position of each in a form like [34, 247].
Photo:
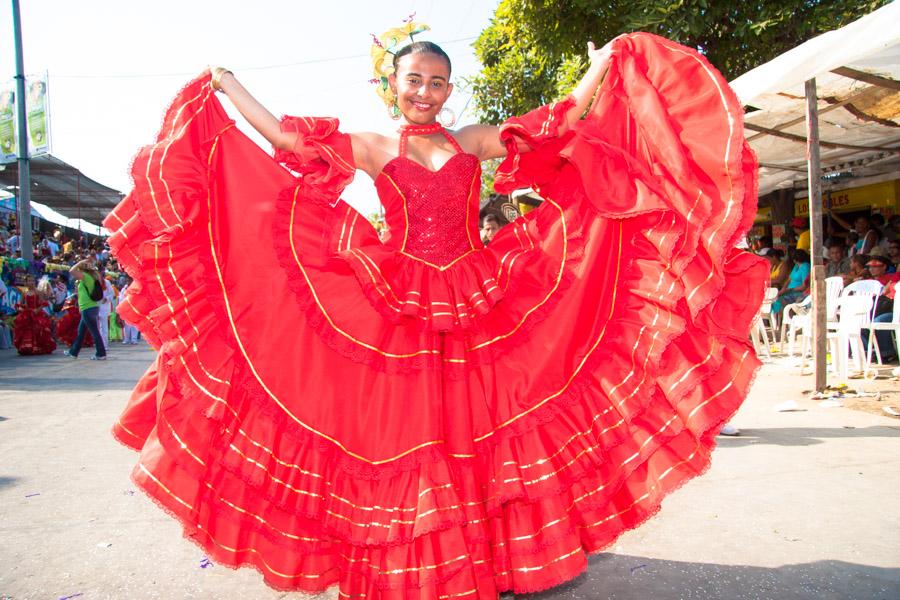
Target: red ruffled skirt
[291, 426]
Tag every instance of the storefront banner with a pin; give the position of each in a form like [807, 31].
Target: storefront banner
[882, 197]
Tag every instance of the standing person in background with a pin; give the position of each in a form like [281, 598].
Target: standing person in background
[801, 230]
[129, 332]
[490, 225]
[105, 308]
[869, 236]
[60, 292]
[88, 278]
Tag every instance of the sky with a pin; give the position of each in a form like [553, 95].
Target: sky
[114, 66]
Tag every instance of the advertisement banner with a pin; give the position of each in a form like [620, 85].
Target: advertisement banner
[7, 122]
[38, 110]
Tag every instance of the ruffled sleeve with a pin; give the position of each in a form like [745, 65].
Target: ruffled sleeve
[322, 155]
[543, 131]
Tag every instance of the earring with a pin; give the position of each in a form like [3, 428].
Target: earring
[394, 111]
[447, 117]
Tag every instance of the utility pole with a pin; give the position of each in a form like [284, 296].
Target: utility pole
[24, 196]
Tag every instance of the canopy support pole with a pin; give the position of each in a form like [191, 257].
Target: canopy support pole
[815, 221]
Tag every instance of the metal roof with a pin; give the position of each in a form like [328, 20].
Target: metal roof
[63, 188]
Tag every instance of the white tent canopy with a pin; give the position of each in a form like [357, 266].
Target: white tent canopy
[857, 72]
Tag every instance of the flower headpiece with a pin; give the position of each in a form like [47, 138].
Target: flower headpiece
[384, 47]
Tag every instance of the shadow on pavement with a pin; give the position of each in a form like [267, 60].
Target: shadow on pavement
[625, 577]
[7, 481]
[804, 436]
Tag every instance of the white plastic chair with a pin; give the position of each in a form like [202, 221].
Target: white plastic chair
[893, 326]
[766, 316]
[866, 286]
[834, 287]
[855, 313]
[870, 288]
[793, 318]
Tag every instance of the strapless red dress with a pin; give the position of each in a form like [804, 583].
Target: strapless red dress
[426, 417]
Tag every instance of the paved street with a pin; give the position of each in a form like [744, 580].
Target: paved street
[802, 505]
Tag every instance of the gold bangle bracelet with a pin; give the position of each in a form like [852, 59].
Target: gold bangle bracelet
[215, 80]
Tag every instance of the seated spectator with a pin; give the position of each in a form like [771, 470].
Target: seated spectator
[796, 287]
[894, 252]
[762, 244]
[858, 270]
[781, 267]
[884, 309]
[838, 262]
[878, 266]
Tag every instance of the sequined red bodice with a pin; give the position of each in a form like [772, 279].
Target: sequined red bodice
[432, 215]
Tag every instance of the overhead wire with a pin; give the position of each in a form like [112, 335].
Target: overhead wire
[300, 63]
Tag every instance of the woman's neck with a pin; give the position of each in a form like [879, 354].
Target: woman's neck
[418, 129]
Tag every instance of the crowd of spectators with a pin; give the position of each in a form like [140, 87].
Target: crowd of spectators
[867, 248]
[45, 282]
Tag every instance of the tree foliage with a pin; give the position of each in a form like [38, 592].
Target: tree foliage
[534, 51]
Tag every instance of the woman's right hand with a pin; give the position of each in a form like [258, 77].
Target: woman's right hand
[251, 109]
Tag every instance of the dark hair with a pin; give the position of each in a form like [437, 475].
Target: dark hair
[860, 260]
[422, 48]
[801, 256]
[489, 218]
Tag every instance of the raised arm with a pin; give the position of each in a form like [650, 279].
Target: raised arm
[265, 122]
[256, 114]
[486, 138]
[77, 270]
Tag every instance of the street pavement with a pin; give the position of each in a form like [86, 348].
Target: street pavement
[801, 505]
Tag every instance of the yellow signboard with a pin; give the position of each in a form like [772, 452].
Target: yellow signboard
[877, 195]
[763, 215]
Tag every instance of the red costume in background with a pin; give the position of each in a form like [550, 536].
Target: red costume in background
[67, 327]
[32, 333]
[429, 418]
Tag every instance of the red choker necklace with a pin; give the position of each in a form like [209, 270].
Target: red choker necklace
[421, 129]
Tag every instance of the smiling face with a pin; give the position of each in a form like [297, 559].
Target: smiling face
[421, 83]
[836, 253]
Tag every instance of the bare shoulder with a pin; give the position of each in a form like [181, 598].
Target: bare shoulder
[370, 150]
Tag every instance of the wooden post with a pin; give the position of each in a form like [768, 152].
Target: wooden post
[817, 290]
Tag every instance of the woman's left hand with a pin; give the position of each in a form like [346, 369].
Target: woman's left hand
[599, 56]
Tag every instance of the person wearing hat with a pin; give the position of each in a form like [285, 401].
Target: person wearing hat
[878, 266]
[884, 309]
[801, 230]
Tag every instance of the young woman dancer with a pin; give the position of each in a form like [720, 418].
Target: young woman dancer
[423, 416]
